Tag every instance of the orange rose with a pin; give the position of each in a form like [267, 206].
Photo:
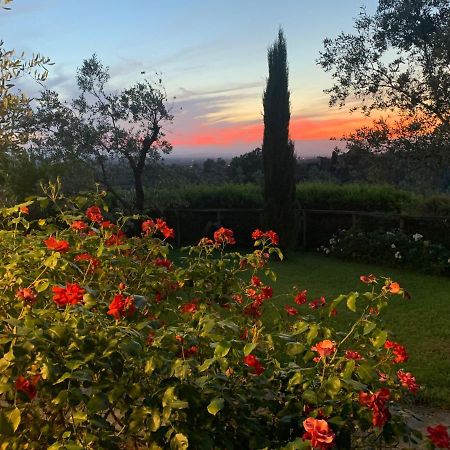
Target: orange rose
[325, 348]
[319, 433]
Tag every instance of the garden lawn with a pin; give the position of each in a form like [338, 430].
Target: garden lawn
[422, 324]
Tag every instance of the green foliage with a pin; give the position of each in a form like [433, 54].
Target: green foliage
[108, 344]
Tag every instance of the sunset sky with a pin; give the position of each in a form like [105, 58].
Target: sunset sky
[212, 56]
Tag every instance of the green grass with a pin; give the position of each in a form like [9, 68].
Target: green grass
[422, 324]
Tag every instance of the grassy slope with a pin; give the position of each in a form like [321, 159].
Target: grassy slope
[422, 324]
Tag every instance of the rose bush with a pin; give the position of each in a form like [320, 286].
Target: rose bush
[107, 342]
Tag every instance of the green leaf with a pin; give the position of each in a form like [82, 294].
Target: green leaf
[335, 303]
[312, 333]
[4, 364]
[98, 402]
[222, 349]
[296, 379]
[60, 398]
[206, 364]
[75, 364]
[14, 418]
[379, 338]
[369, 327]
[63, 377]
[294, 348]
[351, 301]
[41, 285]
[6, 428]
[169, 396]
[79, 417]
[366, 373]
[333, 386]
[216, 405]
[349, 368]
[310, 397]
[248, 348]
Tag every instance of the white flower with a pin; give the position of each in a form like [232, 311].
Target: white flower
[398, 255]
[393, 246]
[448, 260]
[327, 251]
[332, 241]
[417, 237]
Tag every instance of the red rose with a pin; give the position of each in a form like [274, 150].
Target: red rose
[377, 403]
[163, 262]
[319, 433]
[94, 214]
[257, 234]
[397, 350]
[58, 246]
[69, 295]
[189, 308]
[438, 435]
[350, 354]
[78, 225]
[300, 298]
[28, 295]
[121, 306]
[92, 260]
[408, 381]
[318, 302]
[290, 310]
[253, 361]
[28, 387]
[224, 236]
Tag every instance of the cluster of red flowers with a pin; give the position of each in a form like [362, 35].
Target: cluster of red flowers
[271, 235]
[324, 348]
[78, 225]
[253, 361]
[319, 433]
[189, 308]
[258, 292]
[188, 352]
[69, 295]
[377, 403]
[92, 260]
[121, 306]
[290, 310]
[301, 298]
[350, 354]
[150, 227]
[94, 214]
[27, 386]
[163, 262]
[438, 435]
[397, 350]
[58, 246]
[28, 295]
[408, 380]
[224, 236]
[116, 239]
[318, 303]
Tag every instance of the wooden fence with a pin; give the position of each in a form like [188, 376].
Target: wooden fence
[316, 226]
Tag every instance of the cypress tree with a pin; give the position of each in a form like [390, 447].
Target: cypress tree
[278, 149]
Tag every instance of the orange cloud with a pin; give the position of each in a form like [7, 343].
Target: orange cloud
[301, 128]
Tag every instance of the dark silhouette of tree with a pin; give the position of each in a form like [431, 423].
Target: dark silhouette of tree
[247, 168]
[278, 149]
[397, 59]
[101, 128]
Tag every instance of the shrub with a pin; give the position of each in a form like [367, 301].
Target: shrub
[107, 343]
[389, 247]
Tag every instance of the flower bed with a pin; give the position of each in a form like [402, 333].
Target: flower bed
[107, 342]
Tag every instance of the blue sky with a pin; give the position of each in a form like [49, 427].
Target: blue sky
[212, 56]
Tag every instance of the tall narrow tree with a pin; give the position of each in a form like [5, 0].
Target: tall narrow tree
[278, 149]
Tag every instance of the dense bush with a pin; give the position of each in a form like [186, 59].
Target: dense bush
[389, 247]
[353, 197]
[107, 343]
